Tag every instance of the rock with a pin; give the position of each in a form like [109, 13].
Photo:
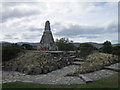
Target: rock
[73, 56]
[59, 66]
[37, 71]
[27, 71]
[78, 59]
[45, 70]
[6, 68]
[50, 68]
[86, 79]
[24, 70]
[14, 67]
[31, 72]
[55, 67]
[19, 68]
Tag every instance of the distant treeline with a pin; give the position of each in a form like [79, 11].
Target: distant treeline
[84, 49]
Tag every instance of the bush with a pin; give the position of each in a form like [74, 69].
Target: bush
[86, 49]
[97, 61]
[10, 52]
[107, 47]
[116, 50]
[27, 46]
[65, 44]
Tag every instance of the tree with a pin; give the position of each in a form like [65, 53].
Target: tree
[10, 51]
[27, 46]
[86, 49]
[65, 44]
[107, 47]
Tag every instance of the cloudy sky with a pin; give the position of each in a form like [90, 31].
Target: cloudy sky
[78, 21]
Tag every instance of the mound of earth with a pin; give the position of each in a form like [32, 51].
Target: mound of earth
[31, 62]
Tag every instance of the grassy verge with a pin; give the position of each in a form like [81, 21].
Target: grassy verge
[110, 82]
[0, 86]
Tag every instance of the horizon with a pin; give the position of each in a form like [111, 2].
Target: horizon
[55, 41]
[77, 21]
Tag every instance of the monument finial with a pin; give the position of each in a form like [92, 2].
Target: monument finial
[47, 25]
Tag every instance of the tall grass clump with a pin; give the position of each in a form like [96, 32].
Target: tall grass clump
[97, 61]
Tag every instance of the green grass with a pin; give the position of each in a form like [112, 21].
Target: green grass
[0, 86]
[110, 82]
[96, 61]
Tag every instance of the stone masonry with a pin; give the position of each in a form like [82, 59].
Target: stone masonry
[47, 41]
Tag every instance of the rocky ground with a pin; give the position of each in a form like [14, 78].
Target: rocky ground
[60, 76]
[33, 63]
[47, 68]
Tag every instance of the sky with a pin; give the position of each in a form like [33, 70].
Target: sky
[77, 21]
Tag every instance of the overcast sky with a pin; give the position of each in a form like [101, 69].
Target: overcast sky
[78, 21]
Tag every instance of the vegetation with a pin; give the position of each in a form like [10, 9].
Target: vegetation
[86, 49]
[110, 82]
[95, 62]
[107, 47]
[116, 50]
[31, 62]
[10, 51]
[27, 46]
[65, 44]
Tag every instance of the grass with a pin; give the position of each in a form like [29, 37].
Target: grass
[0, 86]
[96, 61]
[110, 82]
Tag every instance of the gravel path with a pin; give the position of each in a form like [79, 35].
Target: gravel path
[56, 77]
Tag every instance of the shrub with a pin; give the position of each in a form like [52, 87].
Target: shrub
[65, 44]
[86, 49]
[10, 52]
[27, 46]
[116, 50]
[97, 61]
[107, 47]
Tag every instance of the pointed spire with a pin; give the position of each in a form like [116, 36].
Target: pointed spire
[47, 25]
[47, 40]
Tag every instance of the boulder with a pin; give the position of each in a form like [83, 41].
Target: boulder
[31, 71]
[50, 68]
[27, 70]
[19, 68]
[15, 67]
[37, 71]
[59, 66]
[45, 70]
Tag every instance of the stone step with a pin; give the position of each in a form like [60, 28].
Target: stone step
[84, 78]
[79, 59]
[73, 56]
[77, 63]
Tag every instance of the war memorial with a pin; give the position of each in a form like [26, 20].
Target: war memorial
[47, 41]
[48, 65]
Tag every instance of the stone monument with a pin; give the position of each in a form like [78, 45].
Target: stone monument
[47, 41]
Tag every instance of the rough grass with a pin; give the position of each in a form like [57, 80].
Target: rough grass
[95, 62]
[110, 82]
[31, 62]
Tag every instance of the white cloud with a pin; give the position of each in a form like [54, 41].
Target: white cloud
[27, 20]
